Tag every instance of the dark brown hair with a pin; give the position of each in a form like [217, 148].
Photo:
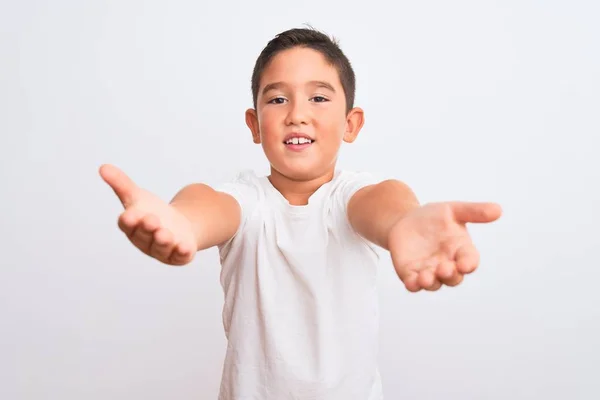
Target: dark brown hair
[312, 39]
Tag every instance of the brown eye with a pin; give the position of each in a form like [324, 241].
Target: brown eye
[319, 99]
[277, 100]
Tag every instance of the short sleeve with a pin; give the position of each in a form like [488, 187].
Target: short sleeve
[348, 183]
[244, 188]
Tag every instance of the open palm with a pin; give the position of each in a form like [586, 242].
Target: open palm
[431, 246]
[152, 225]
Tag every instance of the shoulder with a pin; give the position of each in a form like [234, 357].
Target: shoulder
[346, 186]
[247, 188]
[245, 177]
[348, 182]
[244, 186]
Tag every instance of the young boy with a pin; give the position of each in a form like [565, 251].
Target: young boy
[297, 248]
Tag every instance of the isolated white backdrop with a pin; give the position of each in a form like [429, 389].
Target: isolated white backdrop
[468, 100]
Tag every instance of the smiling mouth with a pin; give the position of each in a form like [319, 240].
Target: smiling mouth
[298, 144]
[298, 141]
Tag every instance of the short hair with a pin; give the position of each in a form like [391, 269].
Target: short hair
[312, 39]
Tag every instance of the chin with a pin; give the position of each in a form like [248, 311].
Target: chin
[302, 172]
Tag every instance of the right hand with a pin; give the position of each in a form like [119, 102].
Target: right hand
[152, 225]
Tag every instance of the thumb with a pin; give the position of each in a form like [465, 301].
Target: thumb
[476, 212]
[121, 184]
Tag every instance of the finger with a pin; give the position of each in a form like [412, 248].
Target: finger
[445, 270]
[162, 245]
[121, 184]
[457, 280]
[407, 275]
[427, 279]
[466, 259]
[448, 275]
[182, 254]
[436, 286]
[476, 212]
[411, 282]
[129, 220]
[143, 234]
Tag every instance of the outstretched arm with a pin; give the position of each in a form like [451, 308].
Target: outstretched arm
[429, 244]
[197, 218]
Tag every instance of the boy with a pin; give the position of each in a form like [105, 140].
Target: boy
[297, 248]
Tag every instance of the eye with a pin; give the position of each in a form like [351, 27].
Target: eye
[276, 100]
[319, 99]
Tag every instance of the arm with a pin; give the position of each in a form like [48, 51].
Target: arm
[374, 209]
[429, 244]
[197, 218]
[214, 216]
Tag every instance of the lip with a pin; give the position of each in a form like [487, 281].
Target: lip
[297, 135]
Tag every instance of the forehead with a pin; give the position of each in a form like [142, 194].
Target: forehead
[299, 66]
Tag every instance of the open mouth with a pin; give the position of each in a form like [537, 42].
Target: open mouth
[298, 143]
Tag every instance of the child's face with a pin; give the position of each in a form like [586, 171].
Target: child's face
[300, 94]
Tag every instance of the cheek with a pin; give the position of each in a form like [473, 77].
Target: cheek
[267, 123]
[332, 129]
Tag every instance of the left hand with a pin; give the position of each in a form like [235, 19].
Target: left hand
[430, 246]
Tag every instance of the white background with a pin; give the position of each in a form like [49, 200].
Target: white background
[464, 100]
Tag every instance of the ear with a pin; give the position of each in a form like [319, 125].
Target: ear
[252, 122]
[354, 122]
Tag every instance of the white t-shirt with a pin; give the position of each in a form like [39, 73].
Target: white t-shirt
[301, 305]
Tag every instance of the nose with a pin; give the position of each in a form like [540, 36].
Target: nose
[298, 113]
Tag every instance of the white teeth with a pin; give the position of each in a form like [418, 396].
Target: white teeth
[298, 141]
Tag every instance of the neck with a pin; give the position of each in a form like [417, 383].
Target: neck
[298, 191]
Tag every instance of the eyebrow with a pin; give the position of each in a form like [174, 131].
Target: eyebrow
[278, 85]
